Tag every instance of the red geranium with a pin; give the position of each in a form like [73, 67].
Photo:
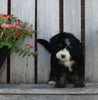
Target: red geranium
[17, 33]
[29, 46]
[9, 35]
[0, 27]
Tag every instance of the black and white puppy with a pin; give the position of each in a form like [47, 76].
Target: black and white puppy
[67, 63]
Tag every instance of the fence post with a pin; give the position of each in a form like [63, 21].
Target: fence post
[91, 40]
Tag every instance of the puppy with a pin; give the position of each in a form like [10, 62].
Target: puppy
[67, 64]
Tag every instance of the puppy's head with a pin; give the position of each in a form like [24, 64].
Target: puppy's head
[66, 47]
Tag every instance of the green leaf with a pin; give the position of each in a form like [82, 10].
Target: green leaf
[20, 53]
[13, 50]
[34, 31]
[25, 24]
[35, 53]
[31, 36]
[24, 54]
[17, 51]
[29, 55]
[1, 46]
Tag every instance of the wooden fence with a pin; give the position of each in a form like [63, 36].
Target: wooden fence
[45, 17]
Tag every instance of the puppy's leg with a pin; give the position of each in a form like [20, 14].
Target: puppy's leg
[61, 83]
[79, 81]
[52, 80]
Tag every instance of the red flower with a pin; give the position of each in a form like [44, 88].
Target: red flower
[28, 46]
[19, 22]
[0, 28]
[7, 16]
[17, 33]
[9, 35]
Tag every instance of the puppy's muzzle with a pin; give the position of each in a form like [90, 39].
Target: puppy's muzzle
[63, 56]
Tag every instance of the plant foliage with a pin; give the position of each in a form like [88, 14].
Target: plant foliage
[13, 32]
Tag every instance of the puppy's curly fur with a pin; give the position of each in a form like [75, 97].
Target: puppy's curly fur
[67, 64]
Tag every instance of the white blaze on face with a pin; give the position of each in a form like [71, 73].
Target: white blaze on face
[63, 55]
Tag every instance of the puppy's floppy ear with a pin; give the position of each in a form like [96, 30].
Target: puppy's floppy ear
[78, 50]
[45, 43]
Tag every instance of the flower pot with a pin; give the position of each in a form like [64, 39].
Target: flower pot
[4, 52]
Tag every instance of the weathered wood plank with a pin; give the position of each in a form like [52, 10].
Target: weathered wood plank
[72, 17]
[47, 26]
[3, 6]
[91, 40]
[30, 97]
[36, 92]
[3, 70]
[22, 69]
[49, 97]
[44, 89]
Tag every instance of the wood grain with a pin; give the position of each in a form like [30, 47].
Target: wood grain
[3, 70]
[49, 97]
[47, 26]
[47, 92]
[91, 40]
[22, 69]
[72, 17]
[44, 89]
[3, 6]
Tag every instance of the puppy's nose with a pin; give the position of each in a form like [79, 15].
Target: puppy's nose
[63, 56]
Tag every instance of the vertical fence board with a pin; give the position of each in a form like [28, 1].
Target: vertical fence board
[3, 6]
[3, 70]
[22, 69]
[72, 17]
[91, 39]
[47, 26]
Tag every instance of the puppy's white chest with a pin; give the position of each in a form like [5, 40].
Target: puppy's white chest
[69, 64]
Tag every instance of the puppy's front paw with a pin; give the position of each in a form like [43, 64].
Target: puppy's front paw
[51, 82]
[79, 85]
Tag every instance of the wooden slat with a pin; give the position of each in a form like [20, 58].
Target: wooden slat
[72, 17]
[3, 70]
[49, 97]
[45, 92]
[3, 6]
[22, 69]
[91, 40]
[47, 26]
[45, 89]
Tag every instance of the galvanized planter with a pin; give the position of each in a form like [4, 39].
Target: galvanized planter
[4, 52]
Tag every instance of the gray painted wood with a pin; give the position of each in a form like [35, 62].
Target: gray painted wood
[28, 89]
[3, 70]
[30, 97]
[91, 40]
[72, 17]
[3, 6]
[49, 97]
[22, 69]
[31, 92]
[47, 26]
